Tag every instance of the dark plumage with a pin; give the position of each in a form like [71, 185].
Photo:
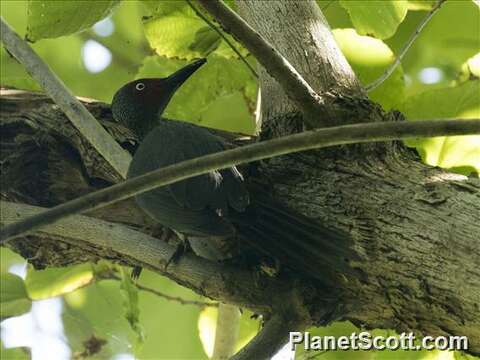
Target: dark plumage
[219, 203]
[196, 206]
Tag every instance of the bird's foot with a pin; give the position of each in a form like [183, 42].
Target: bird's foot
[181, 249]
[135, 274]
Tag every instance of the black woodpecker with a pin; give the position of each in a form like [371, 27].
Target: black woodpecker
[220, 203]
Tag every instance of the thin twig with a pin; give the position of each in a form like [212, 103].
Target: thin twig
[177, 299]
[222, 35]
[88, 126]
[372, 86]
[314, 139]
[274, 63]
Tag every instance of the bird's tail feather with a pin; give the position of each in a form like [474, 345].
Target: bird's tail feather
[300, 243]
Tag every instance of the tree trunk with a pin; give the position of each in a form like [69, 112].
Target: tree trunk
[415, 227]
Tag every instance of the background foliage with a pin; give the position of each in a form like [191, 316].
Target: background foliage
[438, 78]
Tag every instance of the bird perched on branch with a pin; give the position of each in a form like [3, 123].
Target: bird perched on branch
[220, 204]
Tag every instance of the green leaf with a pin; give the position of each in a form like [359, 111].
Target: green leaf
[470, 69]
[175, 31]
[51, 19]
[421, 4]
[221, 86]
[131, 308]
[43, 284]
[369, 58]
[180, 340]
[436, 46]
[16, 353]
[167, 7]
[14, 300]
[207, 323]
[461, 153]
[13, 74]
[379, 18]
[179, 36]
[97, 310]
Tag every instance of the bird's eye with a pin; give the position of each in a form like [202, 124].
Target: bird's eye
[140, 86]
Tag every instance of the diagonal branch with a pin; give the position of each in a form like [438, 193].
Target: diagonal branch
[274, 63]
[206, 277]
[88, 126]
[314, 139]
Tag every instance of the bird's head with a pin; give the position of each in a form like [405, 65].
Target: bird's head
[139, 104]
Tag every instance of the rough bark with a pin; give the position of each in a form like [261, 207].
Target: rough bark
[415, 227]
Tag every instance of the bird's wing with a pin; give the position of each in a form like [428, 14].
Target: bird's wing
[216, 190]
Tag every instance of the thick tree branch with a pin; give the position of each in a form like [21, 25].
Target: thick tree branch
[372, 86]
[275, 63]
[405, 219]
[75, 111]
[314, 54]
[320, 138]
[212, 279]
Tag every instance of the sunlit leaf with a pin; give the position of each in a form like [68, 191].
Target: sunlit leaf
[43, 284]
[178, 36]
[369, 58]
[169, 326]
[8, 258]
[249, 327]
[453, 152]
[14, 299]
[167, 7]
[445, 43]
[51, 19]
[207, 323]
[421, 4]
[16, 353]
[97, 310]
[470, 69]
[379, 18]
[176, 31]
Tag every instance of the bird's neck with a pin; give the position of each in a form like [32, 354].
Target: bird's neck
[143, 126]
[140, 120]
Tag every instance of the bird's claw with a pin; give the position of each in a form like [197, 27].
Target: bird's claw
[135, 274]
[181, 249]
